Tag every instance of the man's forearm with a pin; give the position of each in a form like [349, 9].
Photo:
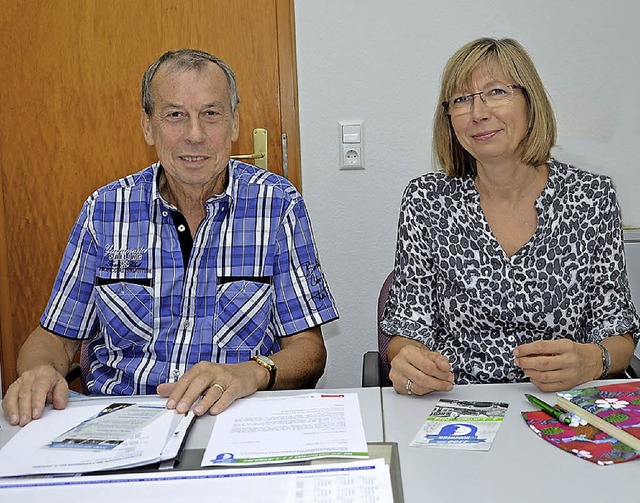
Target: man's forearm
[44, 348]
[301, 361]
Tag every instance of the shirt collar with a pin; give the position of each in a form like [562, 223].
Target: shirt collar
[159, 201]
[552, 188]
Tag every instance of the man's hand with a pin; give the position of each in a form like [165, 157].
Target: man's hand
[27, 396]
[218, 384]
[42, 362]
[300, 363]
[560, 364]
[427, 370]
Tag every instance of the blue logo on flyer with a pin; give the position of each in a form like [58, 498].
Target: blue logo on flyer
[224, 457]
[456, 433]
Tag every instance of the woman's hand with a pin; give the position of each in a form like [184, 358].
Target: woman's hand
[417, 371]
[560, 364]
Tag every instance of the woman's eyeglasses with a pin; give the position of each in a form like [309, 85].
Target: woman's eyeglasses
[494, 96]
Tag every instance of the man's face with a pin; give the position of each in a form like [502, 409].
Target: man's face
[192, 127]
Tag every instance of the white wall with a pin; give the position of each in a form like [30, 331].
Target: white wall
[380, 61]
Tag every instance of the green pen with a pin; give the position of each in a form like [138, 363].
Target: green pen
[563, 417]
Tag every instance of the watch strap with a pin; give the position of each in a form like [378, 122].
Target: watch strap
[606, 360]
[271, 367]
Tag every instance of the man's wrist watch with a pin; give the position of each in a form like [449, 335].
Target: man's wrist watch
[606, 360]
[270, 365]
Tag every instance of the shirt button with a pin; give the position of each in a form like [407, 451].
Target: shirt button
[511, 338]
[511, 375]
[181, 228]
[187, 323]
[164, 213]
[510, 305]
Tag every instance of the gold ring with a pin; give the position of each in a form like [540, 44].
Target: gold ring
[408, 386]
[219, 386]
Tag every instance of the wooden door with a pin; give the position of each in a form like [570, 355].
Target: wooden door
[70, 116]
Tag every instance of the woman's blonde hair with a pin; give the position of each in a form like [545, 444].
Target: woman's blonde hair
[508, 55]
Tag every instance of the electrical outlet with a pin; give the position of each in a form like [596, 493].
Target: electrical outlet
[351, 144]
[351, 157]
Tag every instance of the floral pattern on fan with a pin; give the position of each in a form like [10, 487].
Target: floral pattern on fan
[580, 439]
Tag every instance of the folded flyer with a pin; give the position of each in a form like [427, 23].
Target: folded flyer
[461, 424]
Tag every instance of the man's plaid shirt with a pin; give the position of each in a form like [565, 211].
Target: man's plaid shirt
[251, 276]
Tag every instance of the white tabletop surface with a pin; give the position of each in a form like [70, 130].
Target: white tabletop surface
[520, 466]
[369, 399]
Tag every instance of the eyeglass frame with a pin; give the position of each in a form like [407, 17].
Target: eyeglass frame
[445, 104]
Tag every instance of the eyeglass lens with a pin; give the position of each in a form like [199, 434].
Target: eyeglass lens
[493, 96]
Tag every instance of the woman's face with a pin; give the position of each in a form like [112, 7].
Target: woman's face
[492, 134]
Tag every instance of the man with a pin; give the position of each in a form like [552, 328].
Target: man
[183, 277]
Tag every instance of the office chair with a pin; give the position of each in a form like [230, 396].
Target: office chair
[375, 366]
[77, 375]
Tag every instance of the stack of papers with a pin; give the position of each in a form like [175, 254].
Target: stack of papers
[257, 430]
[254, 431]
[94, 437]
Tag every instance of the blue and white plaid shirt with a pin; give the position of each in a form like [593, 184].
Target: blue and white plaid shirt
[252, 276]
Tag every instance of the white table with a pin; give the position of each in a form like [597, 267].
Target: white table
[520, 466]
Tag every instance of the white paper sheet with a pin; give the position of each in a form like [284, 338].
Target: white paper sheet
[28, 452]
[280, 429]
[357, 482]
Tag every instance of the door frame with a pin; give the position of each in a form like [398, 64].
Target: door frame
[289, 88]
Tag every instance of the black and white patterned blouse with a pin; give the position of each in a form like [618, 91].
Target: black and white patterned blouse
[456, 291]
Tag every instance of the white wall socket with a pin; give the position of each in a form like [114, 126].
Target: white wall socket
[351, 157]
[351, 142]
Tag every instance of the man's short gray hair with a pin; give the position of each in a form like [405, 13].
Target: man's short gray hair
[186, 59]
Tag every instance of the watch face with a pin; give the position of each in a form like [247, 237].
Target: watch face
[266, 360]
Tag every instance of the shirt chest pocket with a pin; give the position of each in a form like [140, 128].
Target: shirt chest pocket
[242, 313]
[125, 311]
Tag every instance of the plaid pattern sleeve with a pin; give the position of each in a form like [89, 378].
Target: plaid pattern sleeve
[302, 297]
[68, 312]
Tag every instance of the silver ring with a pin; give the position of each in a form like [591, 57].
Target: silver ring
[408, 386]
[219, 386]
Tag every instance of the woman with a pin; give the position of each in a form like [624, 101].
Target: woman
[509, 264]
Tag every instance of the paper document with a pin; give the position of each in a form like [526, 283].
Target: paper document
[357, 482]
[109, 428]
[89, 438]
[461, 424]
[280, 429]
